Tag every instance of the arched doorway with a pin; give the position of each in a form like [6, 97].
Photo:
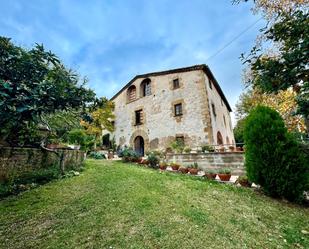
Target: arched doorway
[219, 138]
[139, 145]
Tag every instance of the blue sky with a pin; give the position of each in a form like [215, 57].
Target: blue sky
[110, 41]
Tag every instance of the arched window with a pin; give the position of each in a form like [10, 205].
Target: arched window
[146, 87]
[219, 138]
[131, 93]
[227, 140]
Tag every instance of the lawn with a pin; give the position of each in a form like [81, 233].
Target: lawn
[117, 205]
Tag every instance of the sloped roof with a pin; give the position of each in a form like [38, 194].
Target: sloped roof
[203, 67]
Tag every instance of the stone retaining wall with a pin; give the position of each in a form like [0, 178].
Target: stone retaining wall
[14, 162]
[215, 160]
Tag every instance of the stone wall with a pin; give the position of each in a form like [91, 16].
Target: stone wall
[215, 160]
[14, 162]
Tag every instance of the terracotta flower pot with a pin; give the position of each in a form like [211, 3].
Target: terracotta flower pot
[245, 184]
[210, 176]
[224, 177]
[231, 148]
[183, 170]
[238, 149]
[175, 167]
[110, 155]
[222, 149]
[193, 171]
[162, 166]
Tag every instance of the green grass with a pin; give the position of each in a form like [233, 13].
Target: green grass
[116, 205]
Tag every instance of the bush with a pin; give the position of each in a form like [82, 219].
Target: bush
[153, 159]
[187, 149]
[96, 155]
[208, 148]
[273, 157]
[79, 136]
[178, 146]
[226, 171]
[129, 155]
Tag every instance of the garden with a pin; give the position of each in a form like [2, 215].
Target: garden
[122, 205]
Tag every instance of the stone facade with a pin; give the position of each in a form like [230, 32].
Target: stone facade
[211, 161]
[196, 90]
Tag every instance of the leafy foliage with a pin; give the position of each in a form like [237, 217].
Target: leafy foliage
[288, 67]
[239, 131]
[129, 155]
[208, 148]
[79, 136]
[273, 157]
[100, 119]
[283, 102]
[153, 158]
[178, 146]
[32, 83]
[96, 155]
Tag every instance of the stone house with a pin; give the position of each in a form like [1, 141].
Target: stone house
[187, 104]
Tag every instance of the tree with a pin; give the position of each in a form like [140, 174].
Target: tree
[271, 8]
[239, 131]
[34, 83]
[283, 102]
[99, 119]
[62, 122]
[287, 68]
[273, 158]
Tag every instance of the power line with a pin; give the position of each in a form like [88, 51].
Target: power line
[234, 39]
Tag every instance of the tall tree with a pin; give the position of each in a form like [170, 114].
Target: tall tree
[288, 66]
[283, 102]
[99, 119]
[34, 83]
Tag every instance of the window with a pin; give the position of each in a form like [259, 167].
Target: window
[138, 117]
[178, 109]
[131, 93]
[146, 87]
[176, 83]
[210, 84]
[214, 110]
[224, 121]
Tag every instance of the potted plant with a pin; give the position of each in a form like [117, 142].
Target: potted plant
[231, 148]
[163, 165]
[221, 149]
[224, 174]
[194, 169]
[208, 148]
[183, 169]
[175, 166]
[238, 149]
[210, 174]
[243, 181]
[187, 149]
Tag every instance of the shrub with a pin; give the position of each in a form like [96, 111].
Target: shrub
[153, 159]
[178, 146]
[96, 155]
[224, 171]
[187, 149]
[129, 155]
[273, 157]
[209, 148]
[194, 165]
